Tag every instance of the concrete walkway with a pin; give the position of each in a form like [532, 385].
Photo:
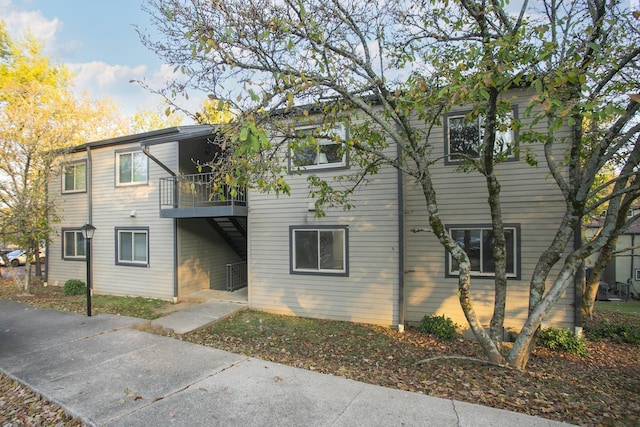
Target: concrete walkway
[108, 374]
[217, 305]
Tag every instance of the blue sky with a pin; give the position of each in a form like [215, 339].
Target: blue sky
[97, 40]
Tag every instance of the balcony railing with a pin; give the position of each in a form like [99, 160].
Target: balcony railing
[196, 191]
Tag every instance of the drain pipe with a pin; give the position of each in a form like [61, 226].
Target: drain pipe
[401, 301]
[579, 283]
[145, 150]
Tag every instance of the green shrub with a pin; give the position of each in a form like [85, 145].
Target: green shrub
[619, 332]
[75, 287]
[439, 326]
[563, 339]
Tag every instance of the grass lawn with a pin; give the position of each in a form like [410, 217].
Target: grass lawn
[54, 297]
[625, 307]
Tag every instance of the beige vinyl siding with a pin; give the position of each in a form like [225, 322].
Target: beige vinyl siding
[203, 256]
[529, 198]
[72, 210]
[112, 207]
[370, 292]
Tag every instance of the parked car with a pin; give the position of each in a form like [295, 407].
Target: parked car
[19, 257]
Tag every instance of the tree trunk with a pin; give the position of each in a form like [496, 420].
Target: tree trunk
[19, 282]
[27, 277]
[491, 350]
[496, 327]
[464, 266]
[593, 282]
[521, 351]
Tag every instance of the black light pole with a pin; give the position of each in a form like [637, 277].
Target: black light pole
[87, 233]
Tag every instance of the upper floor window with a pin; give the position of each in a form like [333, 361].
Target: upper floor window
[74, 244]
[132, 246]
[478, 243]
[319, 148]
[464, 136]
[319, 250]
[131, 168]
[74, 177]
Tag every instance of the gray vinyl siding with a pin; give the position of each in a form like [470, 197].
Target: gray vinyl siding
[529, 198]
[370, 292]
[72, 210]
[112, 207]
[203, 256]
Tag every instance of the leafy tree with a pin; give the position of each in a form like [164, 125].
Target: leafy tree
[148, 120]
[39, 117]
[396, 68]
[214, 112]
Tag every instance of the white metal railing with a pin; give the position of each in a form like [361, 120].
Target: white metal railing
[236, 276]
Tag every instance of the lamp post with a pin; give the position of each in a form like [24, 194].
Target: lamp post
[87, 233]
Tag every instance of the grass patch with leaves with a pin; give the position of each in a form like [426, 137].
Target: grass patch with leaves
[600, 388]
[54, 297]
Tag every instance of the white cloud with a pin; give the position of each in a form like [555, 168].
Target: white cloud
[105, 75]
[97, 78]
[18, 23]
[100, 79]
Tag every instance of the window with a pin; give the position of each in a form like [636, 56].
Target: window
[132, 168]
[73, 244]
[463, 137]
[132, 246]
[478, 243]
[319, 250]
[74, 178]
[637, 271]
[319, 148]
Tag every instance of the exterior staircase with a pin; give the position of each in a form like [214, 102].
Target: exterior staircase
[234, 231]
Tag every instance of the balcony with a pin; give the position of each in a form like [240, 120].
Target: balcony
[192, 196]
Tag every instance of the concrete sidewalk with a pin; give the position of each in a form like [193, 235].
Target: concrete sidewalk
[197, 316]
[106, 373]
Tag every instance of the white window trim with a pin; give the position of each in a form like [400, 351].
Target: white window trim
[331, 272]
[340, 130]
[450, 272]
[456, 158]
[75, 232]
[74, 165]
[132, 230]
[132, 153]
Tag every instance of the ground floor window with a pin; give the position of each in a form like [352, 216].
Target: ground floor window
[478, 242]
[73, 244]
[319, 250]
[132, 246]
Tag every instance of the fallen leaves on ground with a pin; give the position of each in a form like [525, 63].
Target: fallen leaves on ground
[19, 406]
[602, 389]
